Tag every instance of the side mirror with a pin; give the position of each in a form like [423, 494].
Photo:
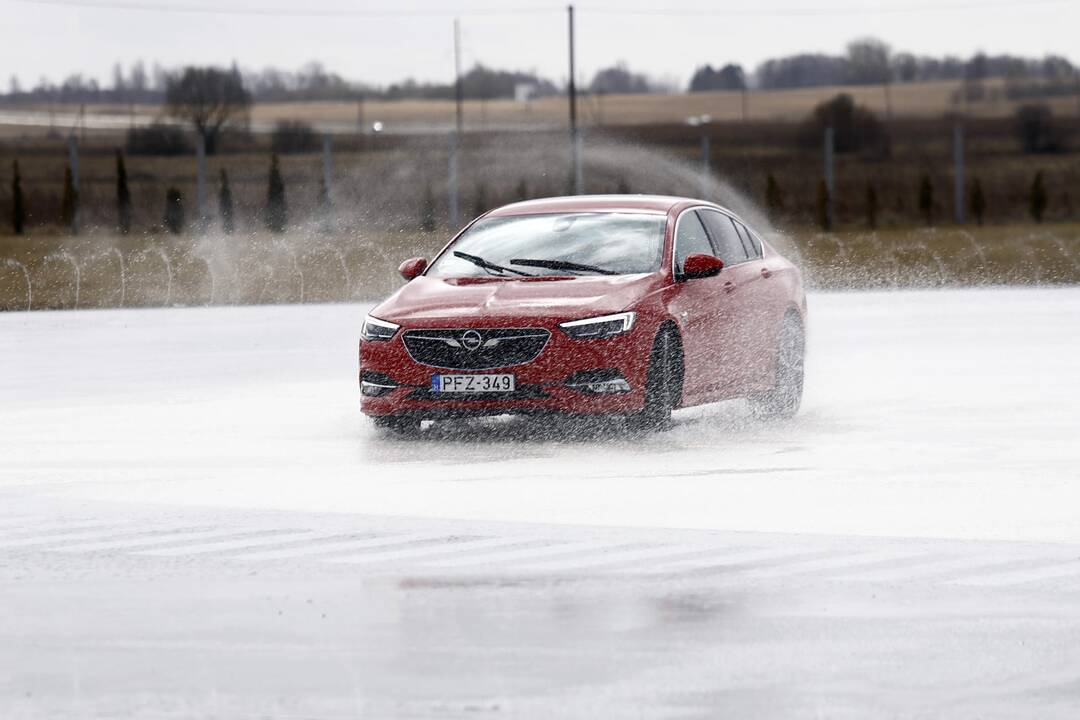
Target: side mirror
[412, 267]
[700, 265]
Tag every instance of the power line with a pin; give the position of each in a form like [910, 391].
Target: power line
[283, 12]
[939, 7]
[820, 11]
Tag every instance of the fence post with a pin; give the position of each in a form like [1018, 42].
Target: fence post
[830, 180]
[73, 162]
[452, 200]
[958, 172]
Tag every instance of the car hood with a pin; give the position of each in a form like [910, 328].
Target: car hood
[428, 299]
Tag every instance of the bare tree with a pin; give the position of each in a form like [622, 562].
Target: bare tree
[209, 98]
[138, 79]
[119, 83]
[869, 62]
[619, 79]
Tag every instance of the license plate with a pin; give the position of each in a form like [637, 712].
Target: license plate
[472, 383]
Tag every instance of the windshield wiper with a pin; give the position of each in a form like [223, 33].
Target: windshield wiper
[561, 265]
[488, 266]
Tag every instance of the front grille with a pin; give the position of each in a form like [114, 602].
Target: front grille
[475, 349]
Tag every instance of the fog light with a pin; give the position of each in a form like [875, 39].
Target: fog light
[373, 384]
[609, 386]
[599, 382]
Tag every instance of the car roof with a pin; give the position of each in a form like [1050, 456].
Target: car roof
[658, 204]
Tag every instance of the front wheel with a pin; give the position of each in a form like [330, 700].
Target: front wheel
[662, 386]
[783, 400]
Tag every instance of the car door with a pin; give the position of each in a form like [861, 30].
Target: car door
[738, 288]
[761, 313]
[701, 307]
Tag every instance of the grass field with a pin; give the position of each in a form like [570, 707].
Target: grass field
[905, 100]
[106, 271]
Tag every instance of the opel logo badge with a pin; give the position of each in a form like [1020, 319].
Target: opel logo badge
[471, 340]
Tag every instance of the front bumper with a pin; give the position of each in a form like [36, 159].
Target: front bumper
[556, 381]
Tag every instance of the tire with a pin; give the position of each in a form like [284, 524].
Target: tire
[663, 386]
[782, 402]
[397, 425]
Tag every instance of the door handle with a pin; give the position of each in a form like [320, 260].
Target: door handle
[766, 272]
[729, 287]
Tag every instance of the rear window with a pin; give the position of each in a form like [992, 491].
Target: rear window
[753, 245]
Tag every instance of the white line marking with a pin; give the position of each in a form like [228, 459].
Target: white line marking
[502, 557]
[251, 542]
[727, 560]
[621, 557]
[52, 538]
[817, 565]
[427, 550]
[1027, 575]
[939, 566]
[160, 539]
[345, 545]
[50, 528]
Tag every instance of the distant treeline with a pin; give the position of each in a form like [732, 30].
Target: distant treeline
[865, 61]
[870, 61]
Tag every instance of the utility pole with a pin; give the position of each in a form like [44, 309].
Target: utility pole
[575, 139]
[453, 195]
[459, 91]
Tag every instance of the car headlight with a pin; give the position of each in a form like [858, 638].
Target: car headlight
[604, 326]
[375, 329]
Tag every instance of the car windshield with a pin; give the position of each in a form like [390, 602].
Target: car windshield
[556, 244]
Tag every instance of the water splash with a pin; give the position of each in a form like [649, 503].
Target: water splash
[12, 262]
[267, 279]
[65, 256]
[347, 289]
[1066, 254]
[942, 271]
[163, 256]
[976, 248]
[297, 270]
[115, 253]
[209, 275]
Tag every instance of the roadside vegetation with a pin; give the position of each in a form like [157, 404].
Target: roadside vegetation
[312, 266]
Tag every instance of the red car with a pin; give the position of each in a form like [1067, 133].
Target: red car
[621, 305]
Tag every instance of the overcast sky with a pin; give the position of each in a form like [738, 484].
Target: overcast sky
[381, 42]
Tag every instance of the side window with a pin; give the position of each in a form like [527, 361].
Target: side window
[690, 239]
[724, 236]
[753, 247]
